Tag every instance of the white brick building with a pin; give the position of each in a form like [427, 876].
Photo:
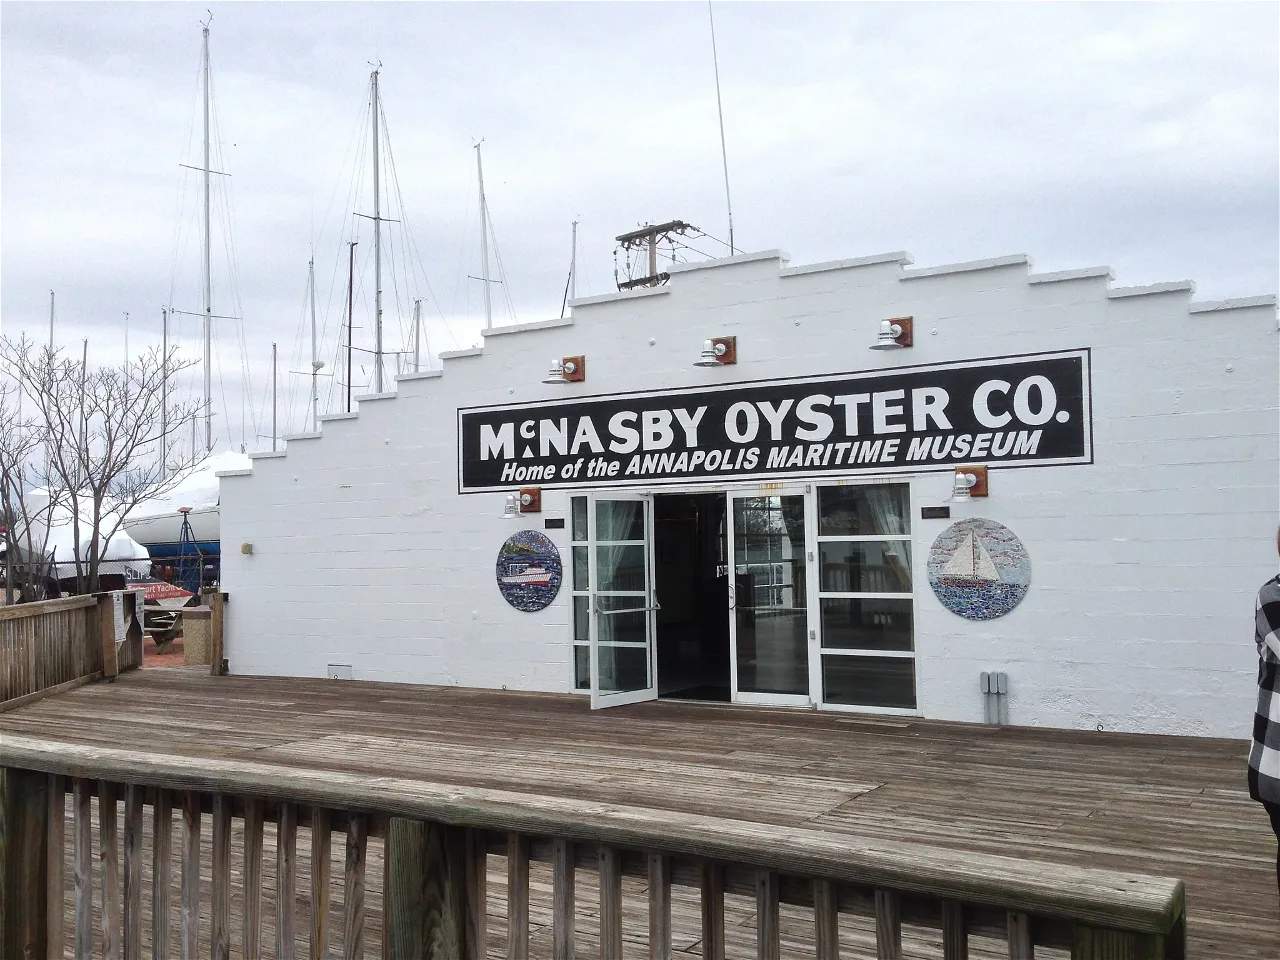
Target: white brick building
[1146, 499]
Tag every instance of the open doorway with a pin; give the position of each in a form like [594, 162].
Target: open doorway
[691, 577]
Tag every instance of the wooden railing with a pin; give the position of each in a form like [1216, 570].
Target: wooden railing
[53, 645]
[434, 883]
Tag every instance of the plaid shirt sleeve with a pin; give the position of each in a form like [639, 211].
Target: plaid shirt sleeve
[1264, 756]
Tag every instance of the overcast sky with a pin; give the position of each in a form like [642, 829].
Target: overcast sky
[1145, 137]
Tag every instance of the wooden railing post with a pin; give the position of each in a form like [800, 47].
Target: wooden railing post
[477, 854]
[426, 895]
[353, 888]
[1092, 943]
[659, 907]
[24, 807]
[712, 911]
[888, 925]
[610, 902]
[55, 869]
[109, 854]
[215, 633]
[826, 920]
[563, 876]
[1021, 946]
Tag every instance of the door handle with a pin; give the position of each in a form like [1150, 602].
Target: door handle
[733, 599]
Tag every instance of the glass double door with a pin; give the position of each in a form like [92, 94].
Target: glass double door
[770, 557]
[622, 601]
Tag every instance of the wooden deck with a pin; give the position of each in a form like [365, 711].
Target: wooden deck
[1166, 806]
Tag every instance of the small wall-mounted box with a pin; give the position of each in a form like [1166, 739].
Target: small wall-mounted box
[339, 671]
[246, 549]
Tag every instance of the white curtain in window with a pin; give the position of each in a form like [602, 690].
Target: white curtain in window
[884, 503]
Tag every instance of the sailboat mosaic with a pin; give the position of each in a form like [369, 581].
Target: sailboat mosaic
[529, 571]
[979, 569]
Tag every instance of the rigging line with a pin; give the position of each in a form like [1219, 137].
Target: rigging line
[497, 256]
[413, 245]
[406, 247]
[226, 211]
[182, 179]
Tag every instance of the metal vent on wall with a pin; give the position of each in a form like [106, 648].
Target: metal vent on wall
[342, 671]
[995, 698]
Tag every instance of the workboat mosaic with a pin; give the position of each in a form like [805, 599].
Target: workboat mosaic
[979, 569]
[529, 571]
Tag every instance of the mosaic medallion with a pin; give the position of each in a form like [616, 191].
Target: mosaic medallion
[529, 571]
[979, 569]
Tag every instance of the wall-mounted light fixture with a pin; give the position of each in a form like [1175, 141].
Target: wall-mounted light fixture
[894, 334]
[567, 370]
[528, 500]
[970, 482]
[718, 352]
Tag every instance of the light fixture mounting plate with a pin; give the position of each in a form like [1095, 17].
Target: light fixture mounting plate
[730, 345]
[979, 473]
[579, 372]
[530, 500]
[904, 338]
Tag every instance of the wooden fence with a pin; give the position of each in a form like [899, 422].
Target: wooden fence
[438, 837]
[53, 645]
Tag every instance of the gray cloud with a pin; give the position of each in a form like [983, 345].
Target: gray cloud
[1143, 136]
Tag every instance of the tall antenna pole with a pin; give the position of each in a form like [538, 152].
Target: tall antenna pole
[417, 336]
[351, 272]
[484, 244]
[315, 360]
[164, 391]
[724, 156]
[377, 249]
[573, 265]
[208, 269]
[273, 397]
[126, 341]
[51, 321]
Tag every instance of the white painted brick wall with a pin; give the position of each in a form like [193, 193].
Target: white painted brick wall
[1144, 564]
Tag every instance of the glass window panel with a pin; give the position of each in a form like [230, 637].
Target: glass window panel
[869, 681]
[623, 669]
[770, 594]
[582, 619]
[866, 624]
[578, 510]
[619, 520]
[582, 668]
[581, 577]
[623, 627]
[864, 511]
[865, 566]
[773, 651]
[620, 567]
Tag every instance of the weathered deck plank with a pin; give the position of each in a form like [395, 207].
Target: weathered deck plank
[1168, 806]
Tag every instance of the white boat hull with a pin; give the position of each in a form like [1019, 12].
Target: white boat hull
[152, 531]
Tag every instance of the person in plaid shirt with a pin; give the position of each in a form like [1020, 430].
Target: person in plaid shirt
[1264, 757]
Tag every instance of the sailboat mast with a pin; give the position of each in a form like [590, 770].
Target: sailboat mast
[273, 397]
[351, 273]
[417, 336]
[315, 360]
[208, 270]
[377, 248]
[164, 391]
[484, 245]
[573, 265]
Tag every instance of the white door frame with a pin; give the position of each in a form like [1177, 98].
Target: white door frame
[647, 603]
[808, 699]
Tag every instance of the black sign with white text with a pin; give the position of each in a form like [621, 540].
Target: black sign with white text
[1014, 410]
